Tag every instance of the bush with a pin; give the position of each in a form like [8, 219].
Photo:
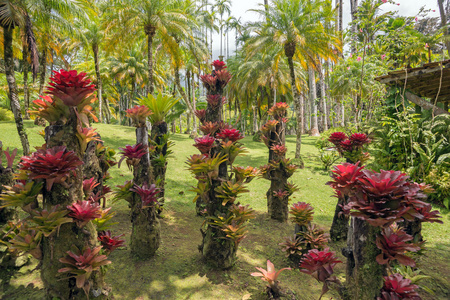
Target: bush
[6, 115]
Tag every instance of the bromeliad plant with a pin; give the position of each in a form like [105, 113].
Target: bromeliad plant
[307, 235]
[376, 202]
[271, 277]
[396, 287]
[55, 165]
[219, 183]
[352, 147]
[138, 115]
[160, 106]
[320, 265]
[48, 225]
[279, 168]
[81, 263]
[344, 177]
[132, 154]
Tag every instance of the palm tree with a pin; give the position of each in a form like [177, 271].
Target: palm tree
[91, 35]
[297, 26]
[13, 13]
[152, 17]
[130, 69]
[222, 7]
[48, 14]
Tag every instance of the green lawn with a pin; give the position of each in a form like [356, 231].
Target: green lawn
[176, 272]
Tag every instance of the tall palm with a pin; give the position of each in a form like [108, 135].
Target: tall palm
[222, 7]
[130, 69]
[14, 13]
[152, 17]
[48, 14]
[90, 34]
[297, 25]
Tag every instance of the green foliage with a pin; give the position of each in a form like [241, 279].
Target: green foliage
[6, 115]
[47, 221]
[105, 221]
[21, 195]
[229, 191]
[27, 240]
[159, 105]
[420, 147]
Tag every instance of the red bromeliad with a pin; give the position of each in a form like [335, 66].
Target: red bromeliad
[149, 194]
[393, 244]
[345, 177]
[218, 65]
[229, 135]
[201, 115]
[54, 165]
[396, 287]
[204, 144]
[110, 242]
[132, 154]
[84, 211]
[70, 87]
[319, 264]
[81, 264]
[89, 185]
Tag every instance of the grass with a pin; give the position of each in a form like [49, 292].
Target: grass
[176, 272]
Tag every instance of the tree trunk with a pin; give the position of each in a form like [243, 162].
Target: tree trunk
[11, 79]
[43, 66]
[146, 230]
[99, 81]
[194, 106]
[299, 114]
[339, 227]
[444, 23]
[55, 247]
[277, 207]
[323, 98]
[364, 275]
[296, 97]
[150, 31]
[312, 100]
[354, 10]
[26, 94]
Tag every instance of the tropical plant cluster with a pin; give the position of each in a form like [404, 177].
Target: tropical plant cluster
[49, 189]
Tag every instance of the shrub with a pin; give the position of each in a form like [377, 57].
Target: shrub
[6, 115]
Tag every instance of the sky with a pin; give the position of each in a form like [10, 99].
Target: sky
[239, 9]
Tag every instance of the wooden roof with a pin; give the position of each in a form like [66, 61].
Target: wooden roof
[427, 81]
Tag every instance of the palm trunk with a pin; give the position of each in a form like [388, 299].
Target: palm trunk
[194, 105]
[10, 78]
[150, 31]
[354, 10]
[312, 98]
[99, 81]
[43, 70]
[289, 50]
[444, 23]
[323, 98]
[26, 94]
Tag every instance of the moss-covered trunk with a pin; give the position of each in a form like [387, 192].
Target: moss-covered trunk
[277, 206]
[56, 246]
[339, 227]
[146, 231]
[6, 179]
[364, 275]
[158, 159]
